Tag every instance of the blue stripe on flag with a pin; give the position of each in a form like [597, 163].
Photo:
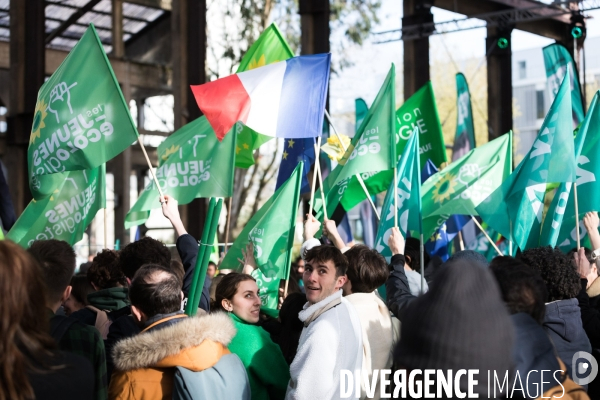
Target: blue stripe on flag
[294, 151]
[303, 96]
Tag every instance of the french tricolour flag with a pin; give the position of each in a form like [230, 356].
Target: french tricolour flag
[284, 99]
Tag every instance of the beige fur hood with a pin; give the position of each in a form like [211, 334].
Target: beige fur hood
[195, 343]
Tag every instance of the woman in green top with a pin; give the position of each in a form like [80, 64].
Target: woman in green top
[267, 369]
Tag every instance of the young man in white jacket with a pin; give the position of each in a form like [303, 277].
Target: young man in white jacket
[331, 339]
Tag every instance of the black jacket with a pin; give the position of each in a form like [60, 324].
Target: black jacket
[75, 380]
[590, 316]
[398, 291]
[532, 353]
[187, 247]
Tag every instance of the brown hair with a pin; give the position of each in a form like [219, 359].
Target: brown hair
[24, 338]
[57, 259]
[324, 253]
[81, 287]
[105, 272]
[227, 288]
[367, 269]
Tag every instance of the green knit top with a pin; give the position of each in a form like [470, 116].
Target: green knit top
[267, 370]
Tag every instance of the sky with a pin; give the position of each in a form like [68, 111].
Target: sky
[371, 61]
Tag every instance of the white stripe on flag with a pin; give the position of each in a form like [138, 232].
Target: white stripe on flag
[264, 88]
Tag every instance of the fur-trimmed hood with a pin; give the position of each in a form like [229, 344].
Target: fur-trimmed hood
[196, 343]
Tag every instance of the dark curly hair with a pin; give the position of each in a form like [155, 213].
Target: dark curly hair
[144, 251]
[557, 271]
[523, 289]
[104, 272]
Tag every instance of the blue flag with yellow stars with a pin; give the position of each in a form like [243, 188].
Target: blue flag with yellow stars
[294, 151]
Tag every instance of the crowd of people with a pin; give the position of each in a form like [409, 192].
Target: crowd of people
[117, 330]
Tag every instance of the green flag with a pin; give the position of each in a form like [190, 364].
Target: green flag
[482, 245]
[588, 186]
[557, 60]
[81, 118]
[271, 230]
[361, 110]
[192, 163]
[420, 112]
[409, 207]
[66, 212]
[465, 183]
[515, 208]
[465, 131]
[270, 47]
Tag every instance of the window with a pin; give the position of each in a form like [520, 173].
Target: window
[522, 69]
[539, 100]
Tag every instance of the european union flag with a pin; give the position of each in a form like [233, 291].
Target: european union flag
[294, 151]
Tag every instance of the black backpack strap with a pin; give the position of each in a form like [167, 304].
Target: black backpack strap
[59, 325]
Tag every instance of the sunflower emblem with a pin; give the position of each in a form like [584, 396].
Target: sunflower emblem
[444, 188]
[171, 150]
[38, 120]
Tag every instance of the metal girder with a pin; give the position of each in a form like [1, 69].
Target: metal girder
[166, 5]
[521, 18]
[71, 20]
[146, 76]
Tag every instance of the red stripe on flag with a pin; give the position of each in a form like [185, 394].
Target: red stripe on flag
[223, 102]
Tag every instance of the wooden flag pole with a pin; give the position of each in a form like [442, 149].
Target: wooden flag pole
[460, 241]
[487, 236]
[314, 178]
[422, 262]
[360, 180]
[105, 230]
[318, 165]
[227, 223]
[576, 215]
[396, 199]
[162, 195]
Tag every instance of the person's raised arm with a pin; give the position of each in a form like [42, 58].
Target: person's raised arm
[397, 288]
[248, 261]
[171, 212]
[330, 230]
[311, 227]
[590, 221]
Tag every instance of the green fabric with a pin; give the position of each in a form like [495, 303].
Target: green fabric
[66, 212]
[409, 210]
[110, 299]
[465, 183]
[556, 60]
[588, 185]
[271, 230]
[81, 119]
[515, 208]
[270, 47]
[419, 111]
[86, 341]
[464, 139]
[192, 163]
[267, 369]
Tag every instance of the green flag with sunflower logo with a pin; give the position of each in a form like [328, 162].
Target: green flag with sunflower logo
[81, 118]
[270, 47]
[466, 182]
[192, 163]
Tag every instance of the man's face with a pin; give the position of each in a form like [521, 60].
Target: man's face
[320, 280]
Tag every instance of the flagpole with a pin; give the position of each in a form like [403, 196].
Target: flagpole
[510, 243]
[318, 165]
[105, 233]
[162, 195]
[360, 180]
[486, 235]
[460, 241]
[422, 262]
[396, 197]
[576, 215]
[317, 146]
[228, 221]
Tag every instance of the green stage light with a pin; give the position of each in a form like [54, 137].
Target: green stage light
[576, 32]
[503, 43]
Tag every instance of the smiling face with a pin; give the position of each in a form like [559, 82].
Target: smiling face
[245, 304]
[320, 280]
